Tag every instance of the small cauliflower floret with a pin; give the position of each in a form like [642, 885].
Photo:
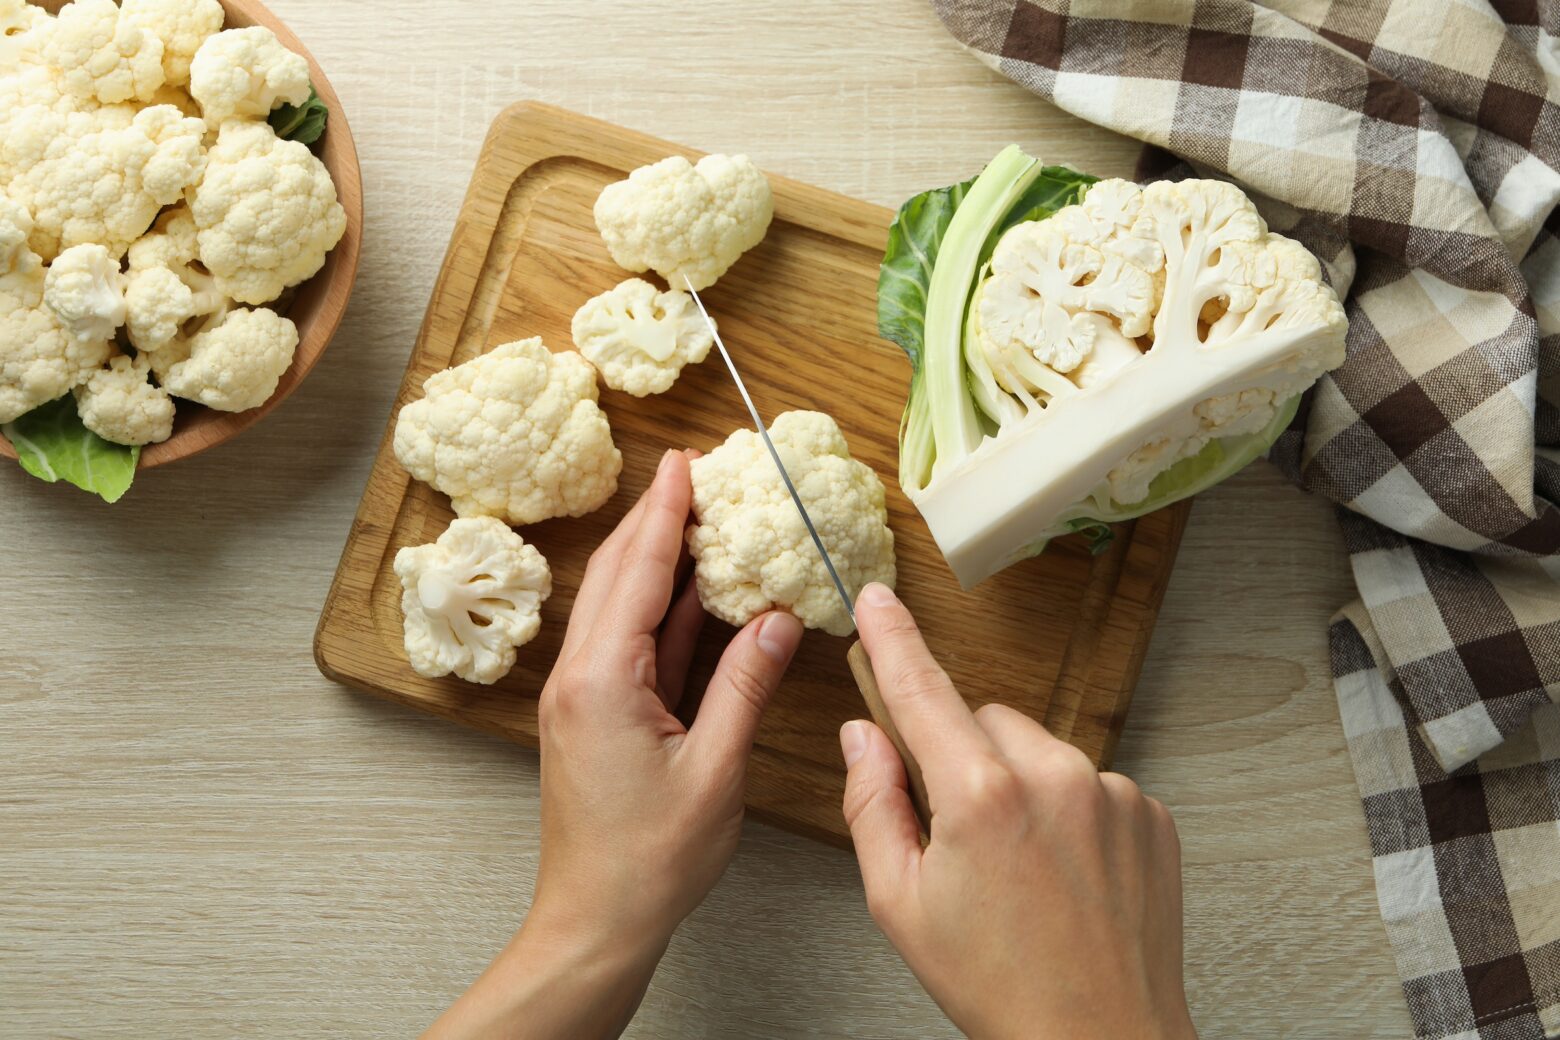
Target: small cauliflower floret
[641, 339]
[686, 221]
[15, 225]
[265, 213]
[471, 599]
[121, 404]
[170, 298]
[235, 363]
[107, 186]
[36, 120]
[751, 548]
[103, 56]
[515, 433]
[86, 292]
[181, 25]
[39, 359]
[245, 73]
[22, 28]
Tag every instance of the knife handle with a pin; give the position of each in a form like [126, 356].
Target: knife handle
[866, 679]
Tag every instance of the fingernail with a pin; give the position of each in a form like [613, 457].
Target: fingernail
[853, 741]
[666, 462]
[878, 595]
[778, 636]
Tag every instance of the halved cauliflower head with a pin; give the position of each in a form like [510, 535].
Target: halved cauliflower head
[640, 339]
[1171, 270]
[265, 213]
[103, 55]
[244, 73]
[121, 404]
[751, 548]
[234, 363]
[181, 25]
[515, 433]
[86, 292]
[471, 599]
[683, 220]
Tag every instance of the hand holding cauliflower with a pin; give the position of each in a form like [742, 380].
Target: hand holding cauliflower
[470, 599]
[640, 339]
[753, 552]
[683, 220]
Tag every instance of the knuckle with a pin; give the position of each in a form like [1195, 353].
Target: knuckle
[1121, 788]
[895, 626]
[881, 903]
[747, 685]
[914, 680]
[989, 788]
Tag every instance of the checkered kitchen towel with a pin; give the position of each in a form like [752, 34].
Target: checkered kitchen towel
[1414, 145]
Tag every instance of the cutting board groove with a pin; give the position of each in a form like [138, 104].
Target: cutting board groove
[1061, 637]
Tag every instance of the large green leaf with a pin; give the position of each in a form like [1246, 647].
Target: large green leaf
[52, 445]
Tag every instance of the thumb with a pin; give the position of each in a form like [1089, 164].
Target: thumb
[879, 813]
[748, 674]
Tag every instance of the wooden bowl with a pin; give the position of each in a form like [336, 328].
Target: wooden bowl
[317, 305]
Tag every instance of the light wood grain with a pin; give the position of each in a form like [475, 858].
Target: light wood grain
[317, 306]
[800, 309]
[202, 837]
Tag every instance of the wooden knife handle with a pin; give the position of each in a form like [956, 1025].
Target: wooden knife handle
[866, 679]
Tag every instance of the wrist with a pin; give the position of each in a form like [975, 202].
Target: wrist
[588, 941]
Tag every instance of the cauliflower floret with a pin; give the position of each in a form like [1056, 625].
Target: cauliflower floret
[107, 186]
[265, 213]
[245, 73]
[753, 552]
[515, 433]
[180, 99]
[39, 359]
[640, 339]
[234, 364]
[15, 225]
[181, 25]
[36, 118]
[86, 292]
[103, 56]
[120, 404]
[686, 221]
[471, 599]
[22, 28]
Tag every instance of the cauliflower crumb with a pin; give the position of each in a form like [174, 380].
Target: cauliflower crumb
[640, 339]
[234, 364]
[471, 599]
[120, 404]
[86, 292]
[244, 73]
[751, 548]
[102, 55]
[686, 221]
[514, 433]
[181, 25]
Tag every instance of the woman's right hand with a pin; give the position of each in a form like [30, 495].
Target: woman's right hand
[1048, 901]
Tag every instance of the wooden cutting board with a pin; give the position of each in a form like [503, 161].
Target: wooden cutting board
[1061, 637]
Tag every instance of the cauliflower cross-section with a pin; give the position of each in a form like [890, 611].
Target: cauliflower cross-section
[683, 220]
[641, 339]
[471, 599]
[515, 433]
[751, 548]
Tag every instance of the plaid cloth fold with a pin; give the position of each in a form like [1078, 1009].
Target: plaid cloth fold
[1414, 146]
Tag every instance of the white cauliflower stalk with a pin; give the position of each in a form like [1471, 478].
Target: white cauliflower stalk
[640, 339]
[86, 292]
[265, 213]
[515, 433]
[1121, 354]
[752, 551]
[471, 599]
[102, 55]
[181, 25]
[245, 73]
[686, 221]
[121, 404]
[234, 363]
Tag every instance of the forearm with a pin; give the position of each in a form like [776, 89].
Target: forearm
[555, 981]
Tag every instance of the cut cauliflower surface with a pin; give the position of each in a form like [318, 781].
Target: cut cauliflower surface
[107, 186]
[751, 548]
[471, 599]
[686, 221]
[102, 55]
[515, 433]
[121, 404]
[181, 25]
[245, 73]
[39, 359]
[265, 213]
[640, 339]
[86, 292]
[234, 363]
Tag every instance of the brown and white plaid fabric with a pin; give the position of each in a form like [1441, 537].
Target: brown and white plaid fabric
[1414, 146]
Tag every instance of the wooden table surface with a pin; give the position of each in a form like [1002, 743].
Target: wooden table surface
[201, 837]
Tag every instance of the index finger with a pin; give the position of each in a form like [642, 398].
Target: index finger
[647, 572]
[936, 724]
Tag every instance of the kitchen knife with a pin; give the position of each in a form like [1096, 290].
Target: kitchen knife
[860, 663]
